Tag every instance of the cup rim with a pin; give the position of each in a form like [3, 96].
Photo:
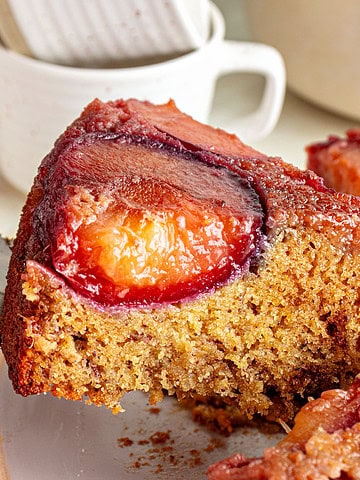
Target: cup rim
[217, 32]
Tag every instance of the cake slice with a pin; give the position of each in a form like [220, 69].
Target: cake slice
[324, 444]
[158, 254]
[337, 160]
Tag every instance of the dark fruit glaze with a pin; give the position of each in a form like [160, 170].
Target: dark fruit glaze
[140, 205]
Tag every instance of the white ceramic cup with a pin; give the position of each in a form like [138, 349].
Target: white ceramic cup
[96, 33]
[38, 100]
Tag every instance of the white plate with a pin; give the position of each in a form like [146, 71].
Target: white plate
[47, 438]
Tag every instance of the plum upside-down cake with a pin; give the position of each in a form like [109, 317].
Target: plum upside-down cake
[158, 254]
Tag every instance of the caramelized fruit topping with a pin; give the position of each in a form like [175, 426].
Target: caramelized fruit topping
[144, 226]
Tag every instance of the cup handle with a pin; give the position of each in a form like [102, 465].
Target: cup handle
[264, 60]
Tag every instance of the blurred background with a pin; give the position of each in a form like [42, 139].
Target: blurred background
[319, 41]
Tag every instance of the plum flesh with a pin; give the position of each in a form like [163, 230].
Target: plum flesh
[142, 225]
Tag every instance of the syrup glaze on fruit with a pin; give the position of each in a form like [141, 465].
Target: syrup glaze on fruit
[139, 224]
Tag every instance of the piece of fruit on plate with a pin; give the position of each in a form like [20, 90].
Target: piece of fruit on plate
[337, 160]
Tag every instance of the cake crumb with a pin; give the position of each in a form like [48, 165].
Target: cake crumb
[213, 444]
[143, 442]
[154, 410]
[159, 437]
[124, 442]
[160, 452]
[217, 416]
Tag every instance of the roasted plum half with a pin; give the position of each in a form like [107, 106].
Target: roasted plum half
[145, 224]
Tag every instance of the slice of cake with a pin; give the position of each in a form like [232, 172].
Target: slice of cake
[324, 444]
[337, 160]
[158, 254]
